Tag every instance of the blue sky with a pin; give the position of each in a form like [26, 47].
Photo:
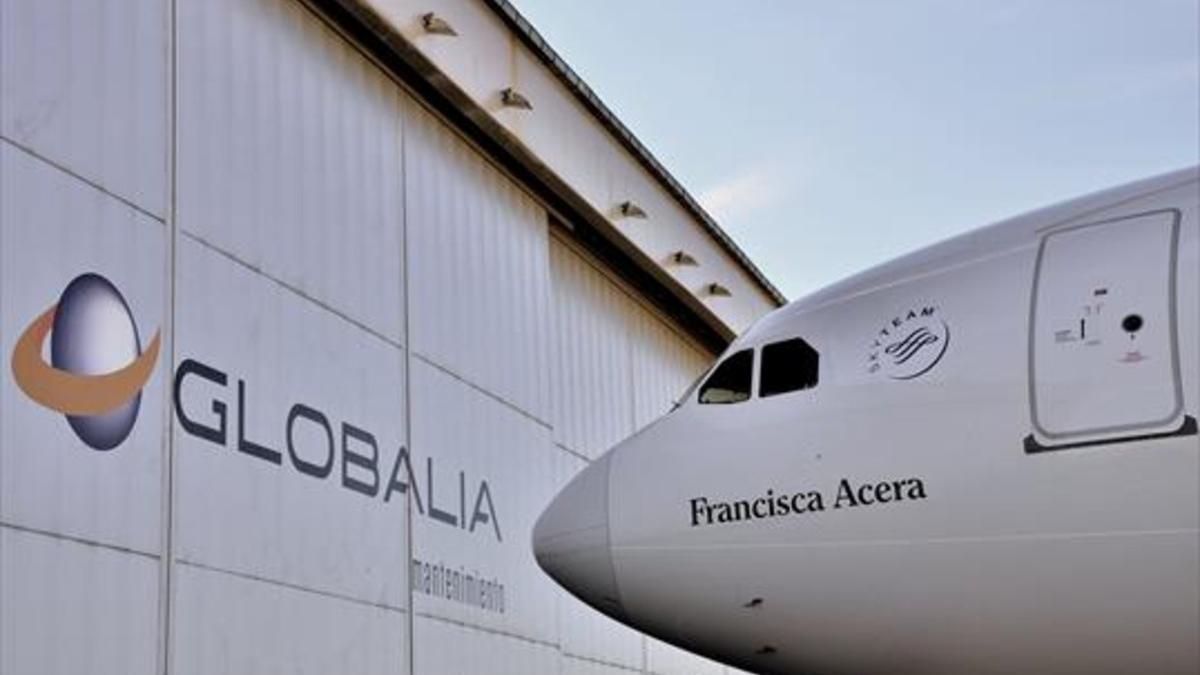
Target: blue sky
[827, 136]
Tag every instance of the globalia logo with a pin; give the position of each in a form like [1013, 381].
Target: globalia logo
[97, 367]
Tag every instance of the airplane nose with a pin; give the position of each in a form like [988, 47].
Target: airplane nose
[571, 539]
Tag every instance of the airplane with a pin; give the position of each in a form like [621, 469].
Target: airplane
[981, 457]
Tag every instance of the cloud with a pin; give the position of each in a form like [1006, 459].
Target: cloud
[742, 194]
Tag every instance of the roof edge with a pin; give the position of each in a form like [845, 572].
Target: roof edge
[379, 39]
[575, 84]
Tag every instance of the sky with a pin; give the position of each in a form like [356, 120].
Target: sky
[827, 136]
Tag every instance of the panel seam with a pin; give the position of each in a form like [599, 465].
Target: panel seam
[409, 666]
[430, 361]
[17, 145]
[233, 257]
[74, 539]
[166, 605]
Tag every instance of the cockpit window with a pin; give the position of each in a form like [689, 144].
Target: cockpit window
[790, 365]
[730, 382]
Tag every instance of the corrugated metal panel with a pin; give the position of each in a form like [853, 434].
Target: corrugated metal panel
[86, 87]
[289, 154]
[238, 512]
[619, 366]
[445, 648]
[478, 268]
[71, 608]
[229, 625]
[52, 228]
[593, 388]
[464, 441]
[664, 365]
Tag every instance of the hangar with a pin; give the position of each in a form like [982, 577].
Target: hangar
[391, 274]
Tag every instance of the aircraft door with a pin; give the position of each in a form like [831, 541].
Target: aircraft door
[1103, 352]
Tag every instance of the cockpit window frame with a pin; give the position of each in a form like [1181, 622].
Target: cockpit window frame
[752, 353]
[810, 381]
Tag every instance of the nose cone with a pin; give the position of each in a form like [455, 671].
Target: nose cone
[571, 540]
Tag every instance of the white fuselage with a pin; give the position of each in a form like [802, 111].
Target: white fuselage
[981, 458]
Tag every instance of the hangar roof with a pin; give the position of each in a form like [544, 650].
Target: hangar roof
[485, 69]
[635, 146]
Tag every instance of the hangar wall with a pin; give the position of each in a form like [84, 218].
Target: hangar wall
[380, 360]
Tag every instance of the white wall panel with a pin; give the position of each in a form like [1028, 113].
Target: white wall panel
[593, 388]
[86, 87]
[478, 268]
[71, 608]
[290, 154]
[447, 649]
[228, 625]
[54, 227]
[237, 511]
[664, 365]
[458, 430]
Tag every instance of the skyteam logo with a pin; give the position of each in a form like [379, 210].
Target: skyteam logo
[97, 367]
[909, 345]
